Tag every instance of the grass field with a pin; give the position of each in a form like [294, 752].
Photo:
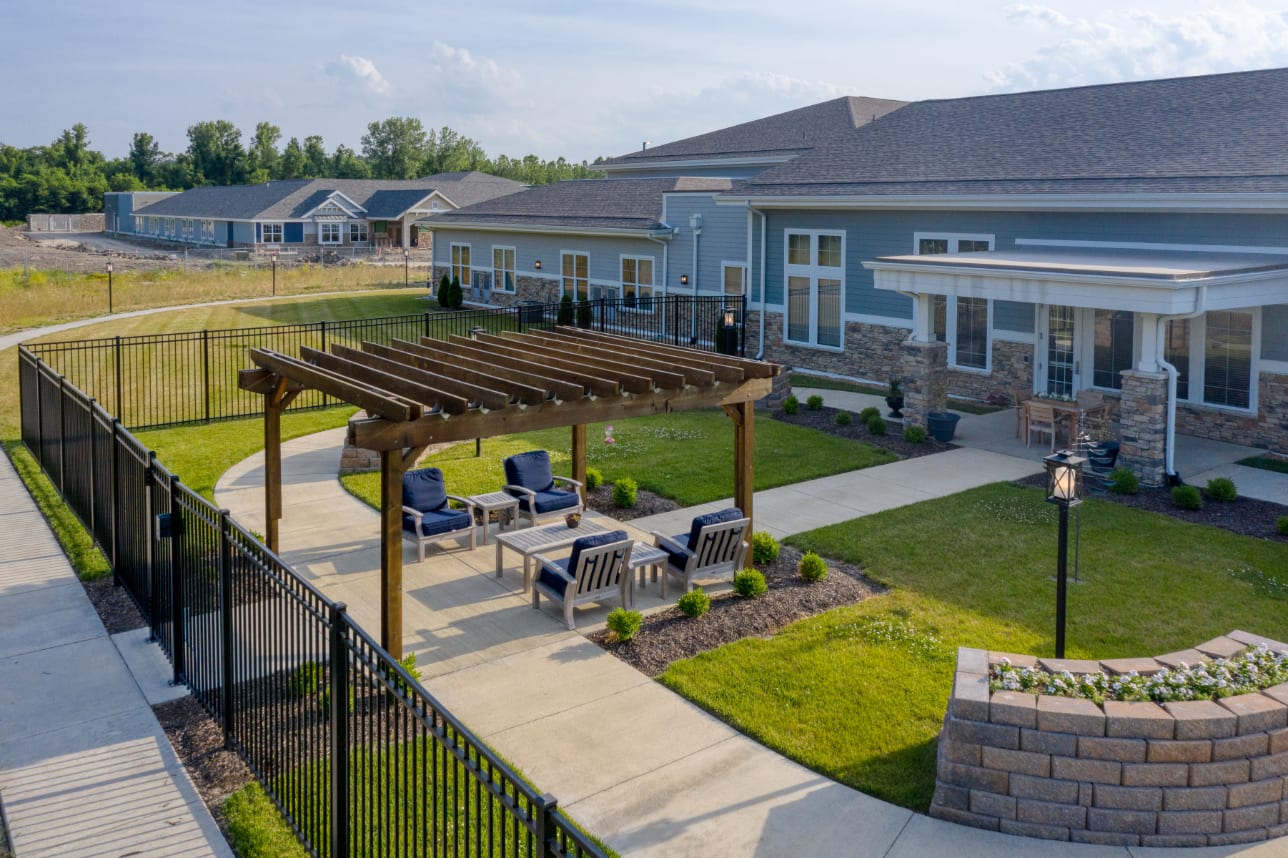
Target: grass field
[859, 693]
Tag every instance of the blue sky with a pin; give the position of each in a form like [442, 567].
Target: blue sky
[577, 79]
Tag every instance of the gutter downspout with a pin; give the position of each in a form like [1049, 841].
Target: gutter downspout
[760, 350]
[695, 226]
[1169, 442]
[666, 246]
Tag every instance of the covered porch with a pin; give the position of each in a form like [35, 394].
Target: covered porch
[1174, 335]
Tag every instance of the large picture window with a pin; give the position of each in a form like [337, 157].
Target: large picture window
[358, 232]
[502, 268]
[1227, 359]
[962, 322]
[637, 282]
[461, 264]
[576, 275]
[1114, 337]
[272, 233]
[329, 233]
[815, 271]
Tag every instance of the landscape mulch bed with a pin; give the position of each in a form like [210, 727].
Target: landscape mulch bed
[114, 606]
[824, 420]
[669, 635]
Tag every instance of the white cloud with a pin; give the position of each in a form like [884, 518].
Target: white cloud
[1129, 44]
[463, 82]
[359, 73]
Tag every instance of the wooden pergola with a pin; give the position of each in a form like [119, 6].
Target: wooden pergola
[432, 391]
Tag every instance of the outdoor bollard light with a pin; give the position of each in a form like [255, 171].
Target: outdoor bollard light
[1063, 470]
[730, 334]
[109, 287]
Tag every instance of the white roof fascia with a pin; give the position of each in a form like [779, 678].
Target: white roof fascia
[1246, 203]
[429, 223]
[686, 163]
[340, 200]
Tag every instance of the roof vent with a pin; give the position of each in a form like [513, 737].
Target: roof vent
[645, 146]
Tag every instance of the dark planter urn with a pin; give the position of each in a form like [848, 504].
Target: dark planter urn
[942, 425]
[896, 405]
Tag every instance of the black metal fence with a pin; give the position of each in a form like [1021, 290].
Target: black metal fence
[358, 757]
[168, 379]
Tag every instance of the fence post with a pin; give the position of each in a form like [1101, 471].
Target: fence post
[227, 701]
[205, 363]
[426, 324]
[116, 505]
[675, 320]
[62, 436]
[177, 631]
[339, 681]
[150, 554]
[742, 327]
[546, 806]
[323, 328]
[117, 352]
[93, 473]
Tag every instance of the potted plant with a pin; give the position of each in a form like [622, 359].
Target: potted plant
[894, 399]
[941, 422]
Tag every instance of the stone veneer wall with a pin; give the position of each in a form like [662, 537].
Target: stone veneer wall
[1268, 428]
[1193, 773]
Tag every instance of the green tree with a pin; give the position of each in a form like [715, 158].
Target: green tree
[346, 164]
[144, 156]
[316, 157]
[293, 164]
[262, 159]
[395, 148]
[217, 154]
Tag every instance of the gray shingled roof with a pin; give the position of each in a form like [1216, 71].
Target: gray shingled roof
[292, 199]
[583, 204]
[782, 134]
[1209, 134]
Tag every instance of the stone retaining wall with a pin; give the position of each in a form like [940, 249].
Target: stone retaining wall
[1194, 773]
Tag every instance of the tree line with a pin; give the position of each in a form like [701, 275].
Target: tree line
[68, 176]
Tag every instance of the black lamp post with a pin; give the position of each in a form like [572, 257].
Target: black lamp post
[730, 333]
[109, 287]
[406, 268]
[274, 274]
[1063, 471]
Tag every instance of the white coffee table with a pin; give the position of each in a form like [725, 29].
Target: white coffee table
[499, 502]
[534, 540]
[646, 556]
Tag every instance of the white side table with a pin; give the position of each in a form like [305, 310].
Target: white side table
[500, 502]
[645, 556]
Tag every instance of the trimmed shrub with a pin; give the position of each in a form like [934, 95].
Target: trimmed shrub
[1123, 481]
[408, 663]
[750, 583]
[764, 548]
[458, 296]
[868, 413]
[306, 679]
[842, 418]
[877, 425]
[695, 603]
[584, 314]
[1187, 497]
[624, 492]
[791, 404]
[1281, 525]
[814, 403]
[445, 292]
[812, 567]
[1221, 489]
[594, 478]
[565, 314]
[914, 434]
[625, 624]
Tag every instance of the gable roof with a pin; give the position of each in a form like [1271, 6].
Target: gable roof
[582, 204]
[294, 198]
[1211, 134]
[765, 140]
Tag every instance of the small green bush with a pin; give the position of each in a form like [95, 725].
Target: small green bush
[625, 624]
[445, 292]
[877, 425]
[791, 404]
[594, 478]
[1123, 481]
[1281, 525]
[914, 434]
[324, 701]
[306, 679]
[1187, 497]
[458, 296]
[1221, 489]
[695, 603]
[750, 583]
[812, 567]
[868, 413]
[408, 663]
[624, 492]
[584, 314]
[814, 403]
[764, 548]
[842, 418]
[565, 314]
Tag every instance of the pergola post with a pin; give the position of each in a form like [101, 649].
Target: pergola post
[273, 407]
[743, 415]
[391, 549]
[579, 457]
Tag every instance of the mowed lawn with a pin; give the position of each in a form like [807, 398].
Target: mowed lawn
[859, 693]
[687, 456]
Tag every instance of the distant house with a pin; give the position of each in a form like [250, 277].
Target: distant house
[302, 212]
[651, 228]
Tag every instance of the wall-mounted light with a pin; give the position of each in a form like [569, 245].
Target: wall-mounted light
[537, 265]
[684, 280]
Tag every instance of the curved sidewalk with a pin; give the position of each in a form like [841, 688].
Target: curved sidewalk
[656, 775]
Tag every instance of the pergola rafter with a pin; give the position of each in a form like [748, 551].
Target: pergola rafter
[417, 394]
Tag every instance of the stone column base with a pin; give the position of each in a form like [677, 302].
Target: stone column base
[923, 375]
[1143, 424]
[354, 459]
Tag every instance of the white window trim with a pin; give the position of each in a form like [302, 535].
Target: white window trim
[952, 238]
[650, 286]
[339, 232]
[454, 268]
[950, 311]
[498, 282]
[743, 267]
[366, 232]
[813, 271]
[562, 286]
[263, 233]
[1198, 365]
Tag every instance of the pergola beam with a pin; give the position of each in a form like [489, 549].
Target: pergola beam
[411, 355]
[432, 398]
[526, 361]
[748, 368]
[664, 377]
[370, 399]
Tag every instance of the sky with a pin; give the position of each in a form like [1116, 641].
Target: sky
[571, 79]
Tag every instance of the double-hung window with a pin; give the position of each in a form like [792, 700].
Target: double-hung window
[329, 233]
[502, 268]
[272, 233]
[1114, 339]
[358, 232]
[461, 264]
[637, 282]
[815, 271]
[576, 275]
[962, 322]
[1213, 356]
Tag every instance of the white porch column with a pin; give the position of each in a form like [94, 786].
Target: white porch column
[922, 317]
[406, 233]
[1151, 343]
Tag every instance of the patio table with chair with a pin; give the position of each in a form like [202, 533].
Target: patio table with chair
[1048, 416]
[530, 541]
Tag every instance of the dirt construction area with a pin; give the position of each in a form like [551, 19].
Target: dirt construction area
[84, 252]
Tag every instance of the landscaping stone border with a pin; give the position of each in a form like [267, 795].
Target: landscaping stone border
[1193, 773]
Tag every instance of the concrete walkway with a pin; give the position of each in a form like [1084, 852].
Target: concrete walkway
[85, 769]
